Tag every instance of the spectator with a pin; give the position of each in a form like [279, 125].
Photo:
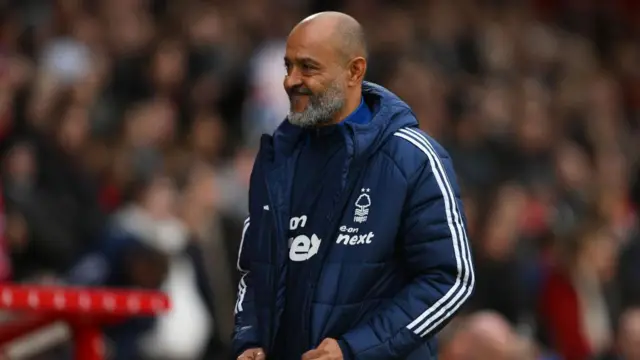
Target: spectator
[629, 338]
[486, 335]
[573, 301]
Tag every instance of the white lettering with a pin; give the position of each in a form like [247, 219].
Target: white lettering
[349, 230]
[346, 239]
[303, 247]
[369, 237]
[343, 238]
[296, 222]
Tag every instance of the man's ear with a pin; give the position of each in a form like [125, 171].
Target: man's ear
[357, 70]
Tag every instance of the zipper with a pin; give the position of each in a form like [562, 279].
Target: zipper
[343, 196]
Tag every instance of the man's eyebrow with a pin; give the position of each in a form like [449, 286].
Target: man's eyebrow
[303, 59]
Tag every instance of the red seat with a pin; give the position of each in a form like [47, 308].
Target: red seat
[86, 310]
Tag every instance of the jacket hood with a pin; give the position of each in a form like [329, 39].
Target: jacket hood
[389, 115]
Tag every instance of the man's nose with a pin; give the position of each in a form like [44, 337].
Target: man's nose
[292, 80]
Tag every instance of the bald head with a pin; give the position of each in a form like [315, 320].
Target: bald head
[485, 335]
[629, 333]
[341, 31]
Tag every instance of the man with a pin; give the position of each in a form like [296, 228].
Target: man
[629, 335]
[486, 335]
[355, 247]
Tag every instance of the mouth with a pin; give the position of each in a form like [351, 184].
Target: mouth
[299, 91]
[298, 99]
[298, 95]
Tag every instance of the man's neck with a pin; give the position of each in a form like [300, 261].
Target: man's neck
[349, 107]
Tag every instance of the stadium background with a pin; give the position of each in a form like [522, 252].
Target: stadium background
[144, 115]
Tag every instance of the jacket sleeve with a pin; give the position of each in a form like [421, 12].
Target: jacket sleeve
[437, 256]
[245, 334]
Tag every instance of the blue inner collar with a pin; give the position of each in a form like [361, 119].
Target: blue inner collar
[361, 115]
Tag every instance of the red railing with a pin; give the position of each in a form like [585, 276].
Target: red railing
[85, 310]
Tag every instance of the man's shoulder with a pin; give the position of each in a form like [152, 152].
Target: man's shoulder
[411, 148]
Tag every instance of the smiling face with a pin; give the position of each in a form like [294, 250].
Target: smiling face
[316, 78]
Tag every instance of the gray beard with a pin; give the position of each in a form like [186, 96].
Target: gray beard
[320, 109]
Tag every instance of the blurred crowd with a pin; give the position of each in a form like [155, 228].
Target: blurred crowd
[128, 130]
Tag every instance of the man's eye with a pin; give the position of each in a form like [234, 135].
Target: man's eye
[307, 67]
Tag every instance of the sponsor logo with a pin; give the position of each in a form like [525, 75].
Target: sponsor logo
[349, 236]
[304, 248]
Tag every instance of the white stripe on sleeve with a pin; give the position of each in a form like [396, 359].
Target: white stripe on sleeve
[442, 309]
[242, 286]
